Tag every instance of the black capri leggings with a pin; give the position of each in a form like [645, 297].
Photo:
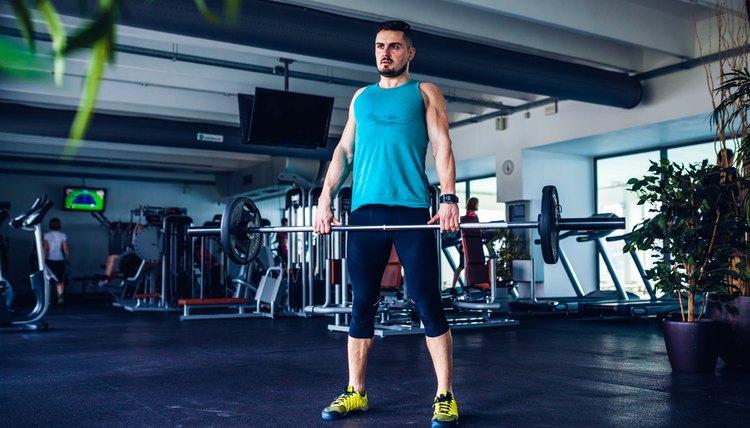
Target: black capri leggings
[58, 268]
[368, 254]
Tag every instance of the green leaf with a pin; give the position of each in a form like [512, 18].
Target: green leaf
[21, 10]
[57, 33]
[82, 120]
[232, 10]
[206, 12]
[98, 28]
[16, 61]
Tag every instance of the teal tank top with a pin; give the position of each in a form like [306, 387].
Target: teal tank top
[390, 145]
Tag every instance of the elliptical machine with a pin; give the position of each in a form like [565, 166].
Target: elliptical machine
[33, 321]
[6, 289]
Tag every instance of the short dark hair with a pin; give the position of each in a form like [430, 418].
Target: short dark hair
[54, 224]
[471, 204]
[398, 26]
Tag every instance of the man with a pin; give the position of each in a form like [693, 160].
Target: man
[384, 145]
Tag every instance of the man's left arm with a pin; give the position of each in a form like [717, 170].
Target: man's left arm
[442, 150]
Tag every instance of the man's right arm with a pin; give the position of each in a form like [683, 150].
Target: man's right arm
[338, 172]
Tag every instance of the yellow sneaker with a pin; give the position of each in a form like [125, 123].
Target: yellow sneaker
[445, 411]
[349, 401]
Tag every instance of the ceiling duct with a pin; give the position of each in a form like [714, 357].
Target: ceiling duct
[304, 31]
[303, 167]
[105, 127]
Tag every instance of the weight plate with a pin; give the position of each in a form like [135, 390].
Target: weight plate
[128, 264]
[549, 225]
[147, 243]
[241, 247]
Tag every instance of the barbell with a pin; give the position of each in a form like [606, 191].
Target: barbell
[241, 232]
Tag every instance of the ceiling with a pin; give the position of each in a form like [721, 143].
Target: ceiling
[190, 72]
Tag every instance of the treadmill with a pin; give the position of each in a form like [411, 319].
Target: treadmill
[575, 303]
[638, 307]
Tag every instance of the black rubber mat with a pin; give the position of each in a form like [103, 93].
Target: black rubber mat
[103, 367]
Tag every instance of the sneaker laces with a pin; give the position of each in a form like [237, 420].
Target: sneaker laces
[342, 398]
[443, 404]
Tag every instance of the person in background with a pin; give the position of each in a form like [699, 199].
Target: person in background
[116, 248]
[725, 161]
[56, 254]
[472, 205]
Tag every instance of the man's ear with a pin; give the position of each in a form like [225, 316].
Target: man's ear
[412, 52]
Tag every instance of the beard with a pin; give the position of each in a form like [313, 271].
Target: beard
[393, 72]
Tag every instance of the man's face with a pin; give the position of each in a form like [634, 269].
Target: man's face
[392, 53]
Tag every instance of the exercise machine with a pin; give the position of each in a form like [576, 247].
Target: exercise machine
[6, 288]
[633, 307]
[396, 314]
[241, 235]
[34, 320]
[480, 276]
[568, 304]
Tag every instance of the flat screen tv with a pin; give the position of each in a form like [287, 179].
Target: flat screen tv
[289, 119]
[84, 199]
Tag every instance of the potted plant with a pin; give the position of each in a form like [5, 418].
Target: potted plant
[694, 233]
[504, 246]
[730, 118]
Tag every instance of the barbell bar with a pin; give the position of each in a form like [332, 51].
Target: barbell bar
[240, 232]
[564, 224]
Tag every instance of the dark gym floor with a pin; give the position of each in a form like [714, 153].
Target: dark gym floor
[104, 367]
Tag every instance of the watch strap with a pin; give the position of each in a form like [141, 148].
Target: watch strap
[448, 198]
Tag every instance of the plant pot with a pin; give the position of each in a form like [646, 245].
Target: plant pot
[692, 347]
[734, 319]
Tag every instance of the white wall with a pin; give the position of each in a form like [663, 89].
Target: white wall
[667, 98]
[573, 178]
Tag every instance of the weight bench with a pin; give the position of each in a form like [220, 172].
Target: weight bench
[269, 295]
[266, 302]
[143, 298]
[238, 304]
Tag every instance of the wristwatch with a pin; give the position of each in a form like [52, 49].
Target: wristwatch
[448, 198]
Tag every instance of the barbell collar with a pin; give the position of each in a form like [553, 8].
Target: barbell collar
[204, 231]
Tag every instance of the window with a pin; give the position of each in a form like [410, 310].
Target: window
[485, 189]
[462, 198]
[694, 153]
[613, 197]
